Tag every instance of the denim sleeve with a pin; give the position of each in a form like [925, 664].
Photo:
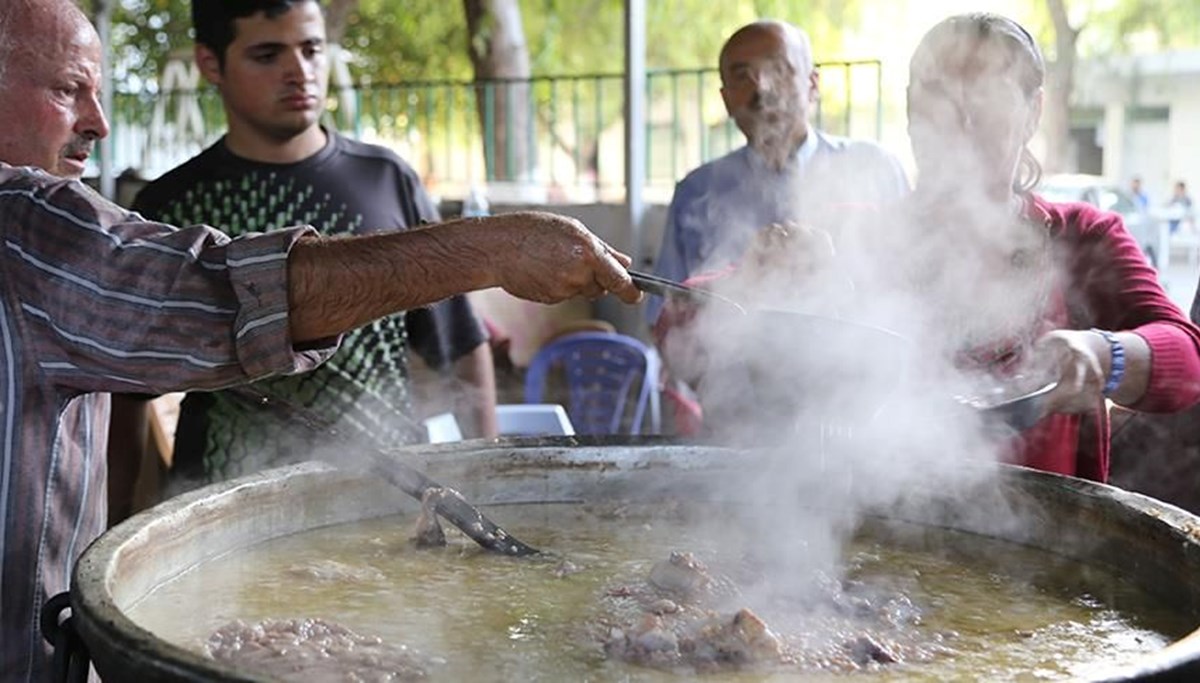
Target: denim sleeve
[671, 262]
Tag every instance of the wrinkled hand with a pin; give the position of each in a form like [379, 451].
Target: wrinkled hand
[1073, 356]
[790, 247]
[791, 266]
[548, 258]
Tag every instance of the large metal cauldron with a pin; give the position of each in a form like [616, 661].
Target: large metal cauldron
[1155, 545]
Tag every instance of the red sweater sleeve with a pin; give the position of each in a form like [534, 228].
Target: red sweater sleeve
[1115, 288]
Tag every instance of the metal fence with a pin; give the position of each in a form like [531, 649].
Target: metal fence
[550, 138]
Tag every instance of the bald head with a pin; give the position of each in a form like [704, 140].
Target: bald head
[768, 84]
[23, 21]
[50, 112]
[768, 36]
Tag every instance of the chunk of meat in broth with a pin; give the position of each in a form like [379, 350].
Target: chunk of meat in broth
[314, 651]
[715, 643]
[723, 642]
[687, 618]
[650, 643]
[428, 531]
[685, 625]
[684, 576]
[865, 650]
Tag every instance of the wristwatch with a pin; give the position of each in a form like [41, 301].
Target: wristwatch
[1117, 370]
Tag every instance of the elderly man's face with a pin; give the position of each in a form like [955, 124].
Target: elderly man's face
[767, 89]
[50, 114]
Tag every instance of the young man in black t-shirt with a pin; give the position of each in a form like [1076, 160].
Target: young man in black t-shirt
[277, 166]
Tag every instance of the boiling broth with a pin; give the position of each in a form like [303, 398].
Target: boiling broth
[989, 610]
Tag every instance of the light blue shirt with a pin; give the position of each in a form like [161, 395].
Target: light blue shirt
[719, 207]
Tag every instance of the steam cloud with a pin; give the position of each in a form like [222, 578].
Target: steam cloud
[842, 420]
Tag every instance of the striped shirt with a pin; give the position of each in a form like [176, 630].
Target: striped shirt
[96, 299]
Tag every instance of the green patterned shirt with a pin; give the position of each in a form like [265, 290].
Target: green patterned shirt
[348, 187]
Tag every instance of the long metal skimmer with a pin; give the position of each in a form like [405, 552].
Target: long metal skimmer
[653, 284]
[450, 504]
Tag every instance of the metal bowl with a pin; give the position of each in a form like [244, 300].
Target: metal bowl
[1020, 413]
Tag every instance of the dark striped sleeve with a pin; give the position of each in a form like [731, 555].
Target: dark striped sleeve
[111, 302]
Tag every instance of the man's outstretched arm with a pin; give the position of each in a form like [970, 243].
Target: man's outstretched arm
[338, 284]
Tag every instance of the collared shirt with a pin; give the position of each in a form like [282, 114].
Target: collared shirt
[718, 208]
[95, 299]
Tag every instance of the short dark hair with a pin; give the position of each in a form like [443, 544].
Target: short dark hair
[213, 19]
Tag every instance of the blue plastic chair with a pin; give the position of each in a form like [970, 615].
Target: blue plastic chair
[602, 370]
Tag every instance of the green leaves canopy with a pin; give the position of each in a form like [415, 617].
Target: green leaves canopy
[395, 40]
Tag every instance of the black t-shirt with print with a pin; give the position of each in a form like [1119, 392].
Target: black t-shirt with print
[347, 187]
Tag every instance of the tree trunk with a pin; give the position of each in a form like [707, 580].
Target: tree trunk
[496, 45]
[337, 16]
[1060, 82]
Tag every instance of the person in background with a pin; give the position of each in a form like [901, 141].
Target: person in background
[786, 266]
[277, 166]
[97, 299]
[1008, 282]
[1139, 194]
[1180, 205]
[787, 172]
[991, 281]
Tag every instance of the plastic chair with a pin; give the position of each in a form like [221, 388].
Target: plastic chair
[532, 419]
[602, 370]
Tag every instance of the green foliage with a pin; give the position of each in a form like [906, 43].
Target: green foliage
[1109, 27]
[145, 33]
[586, 36]
[407, 40]
[1158, 24]
[398, 40]
[404, 40]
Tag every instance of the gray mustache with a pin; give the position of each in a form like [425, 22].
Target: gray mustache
[78, 148]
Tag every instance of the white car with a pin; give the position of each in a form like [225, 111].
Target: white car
[1107, 195]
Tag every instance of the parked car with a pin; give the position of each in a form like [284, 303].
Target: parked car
[1107, 195]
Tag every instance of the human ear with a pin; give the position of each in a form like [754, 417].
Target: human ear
[1035, 114]
[210, 66]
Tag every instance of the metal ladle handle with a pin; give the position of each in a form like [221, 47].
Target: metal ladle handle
[453, 507]
[653, 284]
